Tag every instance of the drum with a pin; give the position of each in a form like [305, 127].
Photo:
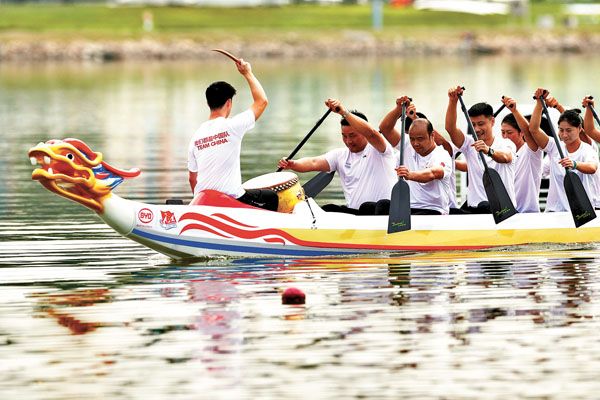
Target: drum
[284, 183]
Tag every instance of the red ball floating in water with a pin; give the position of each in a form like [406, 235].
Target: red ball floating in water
[293, 296]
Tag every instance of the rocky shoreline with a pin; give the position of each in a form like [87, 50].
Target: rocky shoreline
[354, 43]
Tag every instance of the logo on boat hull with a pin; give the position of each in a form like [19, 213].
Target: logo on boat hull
[145, 216]
[168, 220]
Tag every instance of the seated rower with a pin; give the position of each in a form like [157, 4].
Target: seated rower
[500, 152]
[365, 166]
[578, 155]
[427, 166]
[590, 132]
[387, 128]
[528, 159]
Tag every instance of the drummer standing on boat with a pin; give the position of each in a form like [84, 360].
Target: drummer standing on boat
[365, 165]
[427, 167]
[214, 151]
[500, 152]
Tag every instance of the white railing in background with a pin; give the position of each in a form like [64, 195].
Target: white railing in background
[467, 6]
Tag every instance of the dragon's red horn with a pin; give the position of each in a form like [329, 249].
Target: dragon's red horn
[85, 149]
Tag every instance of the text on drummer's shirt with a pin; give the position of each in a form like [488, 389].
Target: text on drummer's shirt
[213, 140]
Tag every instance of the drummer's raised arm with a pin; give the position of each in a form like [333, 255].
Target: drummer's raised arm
[361, 126]
[258, 93]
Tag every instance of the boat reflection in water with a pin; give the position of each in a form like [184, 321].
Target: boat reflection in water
[438, 322]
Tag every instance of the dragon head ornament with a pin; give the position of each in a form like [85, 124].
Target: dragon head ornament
[71, 169]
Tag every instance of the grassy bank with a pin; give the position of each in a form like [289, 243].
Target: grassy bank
[97, 21]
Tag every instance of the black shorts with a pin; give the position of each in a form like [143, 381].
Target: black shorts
[482, 208]
[261, 198]
[382, 207]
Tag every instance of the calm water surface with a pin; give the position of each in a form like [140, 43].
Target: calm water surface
[87, 314]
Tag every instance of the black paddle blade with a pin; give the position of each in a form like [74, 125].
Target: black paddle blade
[500, 202]
[399, 219]
[317, 183]
[581, 208]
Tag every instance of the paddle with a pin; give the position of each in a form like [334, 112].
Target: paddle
[500, 202]
[581, 207]
[499, 109]
[317, 183]
[594, 112]
[399, 219]
[314, 128]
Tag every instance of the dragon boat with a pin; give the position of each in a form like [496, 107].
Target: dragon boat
[216, 224]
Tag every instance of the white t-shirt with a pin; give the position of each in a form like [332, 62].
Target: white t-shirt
[546, 167]
[453, 201]
[596, 179]
[214, 153]
[366, 176]
[557, 197]
[433, 195]
[475, 190]
[528, 177]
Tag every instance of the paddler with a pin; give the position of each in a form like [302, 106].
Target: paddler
[365, 166]
[578, 155]
[427, 167]
[214, 151]
[528, 158]
[499, 152]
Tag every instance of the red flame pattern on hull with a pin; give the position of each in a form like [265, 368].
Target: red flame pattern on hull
[235, 229]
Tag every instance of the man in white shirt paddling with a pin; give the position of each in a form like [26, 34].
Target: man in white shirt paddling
[214, 151]
[365, 166]
[427, 167]
[500, 152]
[528, 158]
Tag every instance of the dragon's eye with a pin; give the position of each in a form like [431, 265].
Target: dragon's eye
[70, 156]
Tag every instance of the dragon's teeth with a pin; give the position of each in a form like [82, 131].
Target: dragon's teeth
[50, 171]
[46, 159]
[33, 160]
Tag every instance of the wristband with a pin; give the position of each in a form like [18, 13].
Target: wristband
[345, 114]
[575, 165]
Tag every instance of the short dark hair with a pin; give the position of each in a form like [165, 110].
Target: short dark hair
[481, 109]
[512, 121]
[343, 122]
[573, 117]
[409, 121]
[218, 93]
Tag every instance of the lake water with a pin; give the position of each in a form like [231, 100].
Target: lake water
[85, 313]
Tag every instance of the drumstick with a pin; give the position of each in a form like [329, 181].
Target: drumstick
[227, 54]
